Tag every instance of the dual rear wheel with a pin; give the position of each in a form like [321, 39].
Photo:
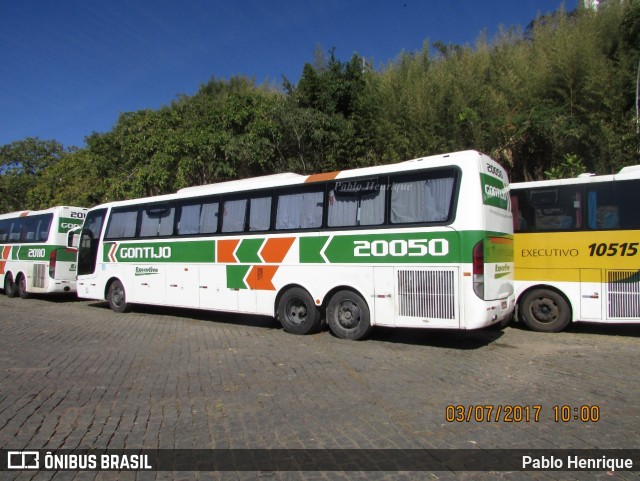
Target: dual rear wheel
[17, 288]
[347, 314]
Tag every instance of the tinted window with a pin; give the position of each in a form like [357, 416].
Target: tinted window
[548, 209]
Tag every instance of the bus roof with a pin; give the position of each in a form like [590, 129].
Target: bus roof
[627, 173]
[289, 178]
[26, 213]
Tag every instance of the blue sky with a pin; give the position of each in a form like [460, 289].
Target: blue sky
[69, 68]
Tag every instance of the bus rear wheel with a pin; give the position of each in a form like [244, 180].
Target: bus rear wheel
[544, 310]
[297, 312]
[21, 286]
[348, 316]
[117, 297]
[9, 286]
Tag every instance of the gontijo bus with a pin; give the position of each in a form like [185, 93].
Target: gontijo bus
[423, 243]
[577, 250]
[33, 253]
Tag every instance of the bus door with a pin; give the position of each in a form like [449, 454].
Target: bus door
[590, 294]
[88, 251]
[384, 295]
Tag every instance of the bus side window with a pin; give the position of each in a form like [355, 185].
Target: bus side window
[233, 215]
[603, 208]
[301, 210]
[5, 225]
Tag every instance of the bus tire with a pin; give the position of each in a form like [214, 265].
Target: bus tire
[348, 316]
[544, 310]
[9, 286]
[117, 297]
[21, 286]
[297, 312]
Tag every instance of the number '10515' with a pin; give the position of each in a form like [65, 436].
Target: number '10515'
[614, 249]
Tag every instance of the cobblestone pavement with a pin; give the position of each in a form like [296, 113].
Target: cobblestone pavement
[73, 374]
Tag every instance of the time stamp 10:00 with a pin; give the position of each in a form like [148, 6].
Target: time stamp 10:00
[517, 413]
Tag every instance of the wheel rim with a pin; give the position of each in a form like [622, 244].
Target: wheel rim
[544, 310]
[348, 314]
[22, 285]
[117, 295]
[297, 312]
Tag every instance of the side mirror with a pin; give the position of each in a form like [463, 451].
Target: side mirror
[73, 238]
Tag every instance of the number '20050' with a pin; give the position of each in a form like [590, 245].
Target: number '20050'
[401, 248]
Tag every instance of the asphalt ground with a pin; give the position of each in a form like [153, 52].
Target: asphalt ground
[75, 375]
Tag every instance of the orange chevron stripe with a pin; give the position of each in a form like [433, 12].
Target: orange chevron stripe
[226, 249]
[259, 278]
[321, 177]
[276, 248]
[6, 252]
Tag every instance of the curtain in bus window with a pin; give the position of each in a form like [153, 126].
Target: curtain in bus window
[209, 218]
[260, 214]
[299, 211]
[157, 222]
[122, 225]
[233, 216]
[343, 209]
[356, 209]
[189, 219]
[421, 201]
[372, 208]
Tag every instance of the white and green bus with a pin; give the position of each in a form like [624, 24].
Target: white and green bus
[423, 243]
[33, 253]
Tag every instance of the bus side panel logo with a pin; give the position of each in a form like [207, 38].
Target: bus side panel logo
[494, 192]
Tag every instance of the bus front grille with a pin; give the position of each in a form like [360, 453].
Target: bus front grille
[624, 294]
[39, 273]
[427, 294]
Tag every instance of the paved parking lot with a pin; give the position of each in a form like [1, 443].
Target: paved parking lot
[75, 375]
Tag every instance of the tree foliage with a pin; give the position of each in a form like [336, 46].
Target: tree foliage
[558, 97]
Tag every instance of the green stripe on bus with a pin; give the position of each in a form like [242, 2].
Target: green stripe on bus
[189, 251]
[405, 248]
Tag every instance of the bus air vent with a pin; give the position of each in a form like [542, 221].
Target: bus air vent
[624, 294]
[427, 294]
[39, 272]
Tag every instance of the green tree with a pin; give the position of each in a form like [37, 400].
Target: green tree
[22, 163]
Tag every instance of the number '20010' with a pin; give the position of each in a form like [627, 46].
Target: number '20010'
[401, 248]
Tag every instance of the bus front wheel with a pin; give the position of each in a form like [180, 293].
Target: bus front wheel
[544, 310]
[117, 297]
[348, 316]
[9, 286]
[297, 313]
